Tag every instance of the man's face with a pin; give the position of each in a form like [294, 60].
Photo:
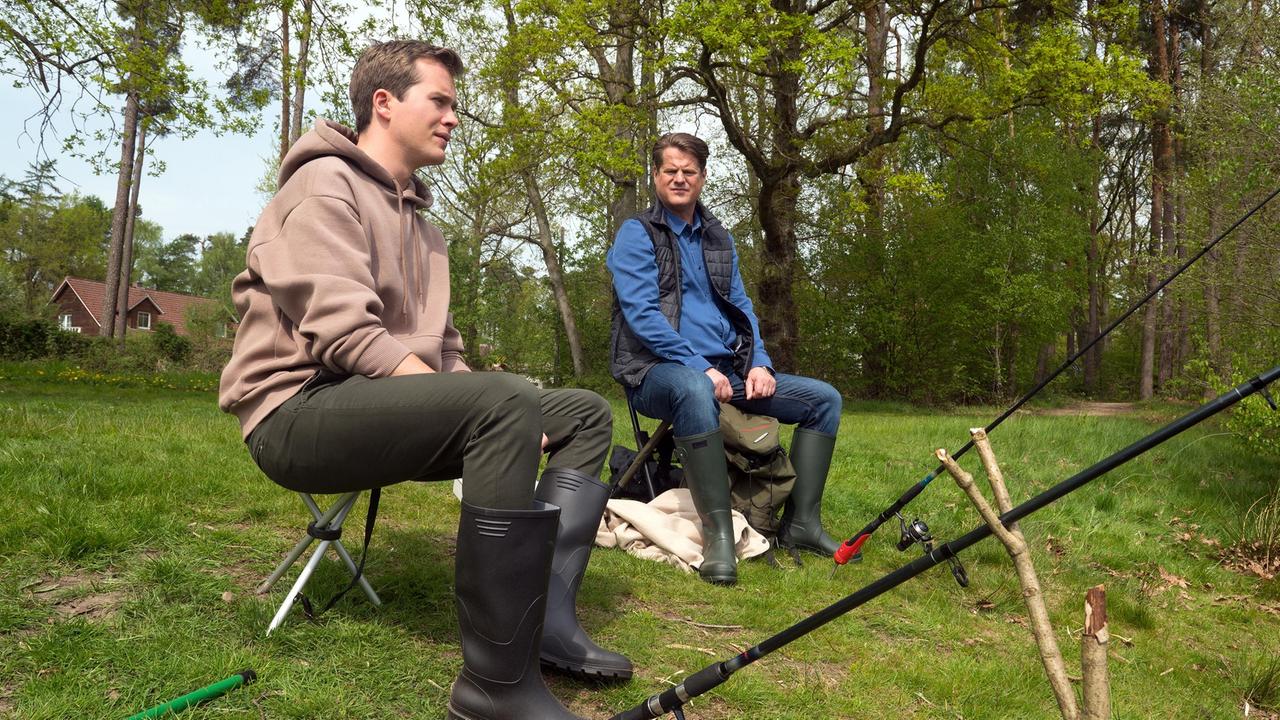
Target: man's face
[422, 121]
[679, 180]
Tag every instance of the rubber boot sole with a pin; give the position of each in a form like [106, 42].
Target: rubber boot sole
[455, 715]
[585, 672]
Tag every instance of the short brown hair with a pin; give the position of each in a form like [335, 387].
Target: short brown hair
[683, 142]
[390, 66]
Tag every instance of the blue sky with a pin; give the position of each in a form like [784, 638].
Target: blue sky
[208, 185]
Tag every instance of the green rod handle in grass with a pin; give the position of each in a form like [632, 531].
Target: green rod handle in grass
[244, 677]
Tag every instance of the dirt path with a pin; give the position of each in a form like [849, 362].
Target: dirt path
[1091, 409]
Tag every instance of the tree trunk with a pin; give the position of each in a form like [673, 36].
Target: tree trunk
[617, 76]
[779, 198]
[468, 301]
[126, 261]
[1257, 28]
[1182, 333]
[775, 307]
[1171, 226]
[1212, 313]
[1095, 273]
[1160, 215]
[1013, 341]
[1043, 359]
[649, 57]
[286, 76]
[119, 215]
[555, 276]
[300, 74]
[876, 361]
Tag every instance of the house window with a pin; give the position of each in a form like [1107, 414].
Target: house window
[144, 320]
[64, 323]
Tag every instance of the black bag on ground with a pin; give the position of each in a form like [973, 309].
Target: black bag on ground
[760, 473]
[665, 476]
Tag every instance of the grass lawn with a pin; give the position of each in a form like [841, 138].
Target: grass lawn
[136, 528]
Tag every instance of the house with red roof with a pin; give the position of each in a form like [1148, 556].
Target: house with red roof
[80, 304]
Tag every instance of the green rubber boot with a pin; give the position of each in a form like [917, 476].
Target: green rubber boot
[801, 525]
[706, 473]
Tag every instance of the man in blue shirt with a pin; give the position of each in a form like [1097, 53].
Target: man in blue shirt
[685, 338]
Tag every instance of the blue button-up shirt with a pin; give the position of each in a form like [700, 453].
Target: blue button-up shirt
[705, 333]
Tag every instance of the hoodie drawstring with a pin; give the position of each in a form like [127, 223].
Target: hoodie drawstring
[414, 252]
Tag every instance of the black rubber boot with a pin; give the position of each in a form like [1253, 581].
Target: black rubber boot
[565, 645]
[503, 558]
[801, 525]
[707, 475]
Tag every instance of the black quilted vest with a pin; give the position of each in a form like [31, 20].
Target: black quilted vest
[629, 359]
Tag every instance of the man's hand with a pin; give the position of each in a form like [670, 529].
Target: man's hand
[760, 383]
[411, 365]
[723, 390]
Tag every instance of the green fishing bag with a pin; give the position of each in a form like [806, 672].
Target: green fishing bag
[760, 473]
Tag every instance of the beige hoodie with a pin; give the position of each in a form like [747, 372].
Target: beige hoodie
[343, 275]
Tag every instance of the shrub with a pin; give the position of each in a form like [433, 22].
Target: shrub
[1257, 423]
[169, 345]
[25, 339]
[30, 339]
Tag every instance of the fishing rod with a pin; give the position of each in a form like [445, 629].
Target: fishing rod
[917, 531]
[673, 699]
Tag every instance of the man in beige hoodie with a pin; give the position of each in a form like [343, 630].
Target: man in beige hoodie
[348, 374]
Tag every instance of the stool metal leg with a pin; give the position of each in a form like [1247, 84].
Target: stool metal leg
[331, 519]
[342, 551]
[298, 584]
[321, 521]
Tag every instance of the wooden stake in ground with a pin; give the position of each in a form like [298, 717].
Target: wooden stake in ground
[1054, 666]
[1093, 656]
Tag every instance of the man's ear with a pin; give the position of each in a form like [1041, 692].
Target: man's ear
[382, 103]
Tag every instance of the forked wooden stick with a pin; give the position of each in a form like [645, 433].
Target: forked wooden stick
[1016, 545]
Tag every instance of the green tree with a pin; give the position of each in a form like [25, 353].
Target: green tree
[45, 236]
[222, 257]
[789, 84]
[171, 265]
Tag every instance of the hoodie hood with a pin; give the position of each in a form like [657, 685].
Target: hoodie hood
[331, 139]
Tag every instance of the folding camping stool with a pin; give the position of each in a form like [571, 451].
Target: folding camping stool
[327, 528]
[646, 445]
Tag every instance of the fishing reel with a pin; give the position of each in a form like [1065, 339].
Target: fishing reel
[917, 532]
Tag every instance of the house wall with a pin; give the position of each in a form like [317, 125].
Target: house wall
[148, 307]
[68, 302]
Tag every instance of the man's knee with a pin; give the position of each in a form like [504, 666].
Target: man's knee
[599, 412]
[830, 396]
[507, 394]
[591, 409]
[691, 386]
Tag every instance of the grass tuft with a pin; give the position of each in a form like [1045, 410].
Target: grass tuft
[1261, 682]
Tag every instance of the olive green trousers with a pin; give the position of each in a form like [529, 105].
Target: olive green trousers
[344, 433]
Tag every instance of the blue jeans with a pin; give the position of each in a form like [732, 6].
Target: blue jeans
[684, 396]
